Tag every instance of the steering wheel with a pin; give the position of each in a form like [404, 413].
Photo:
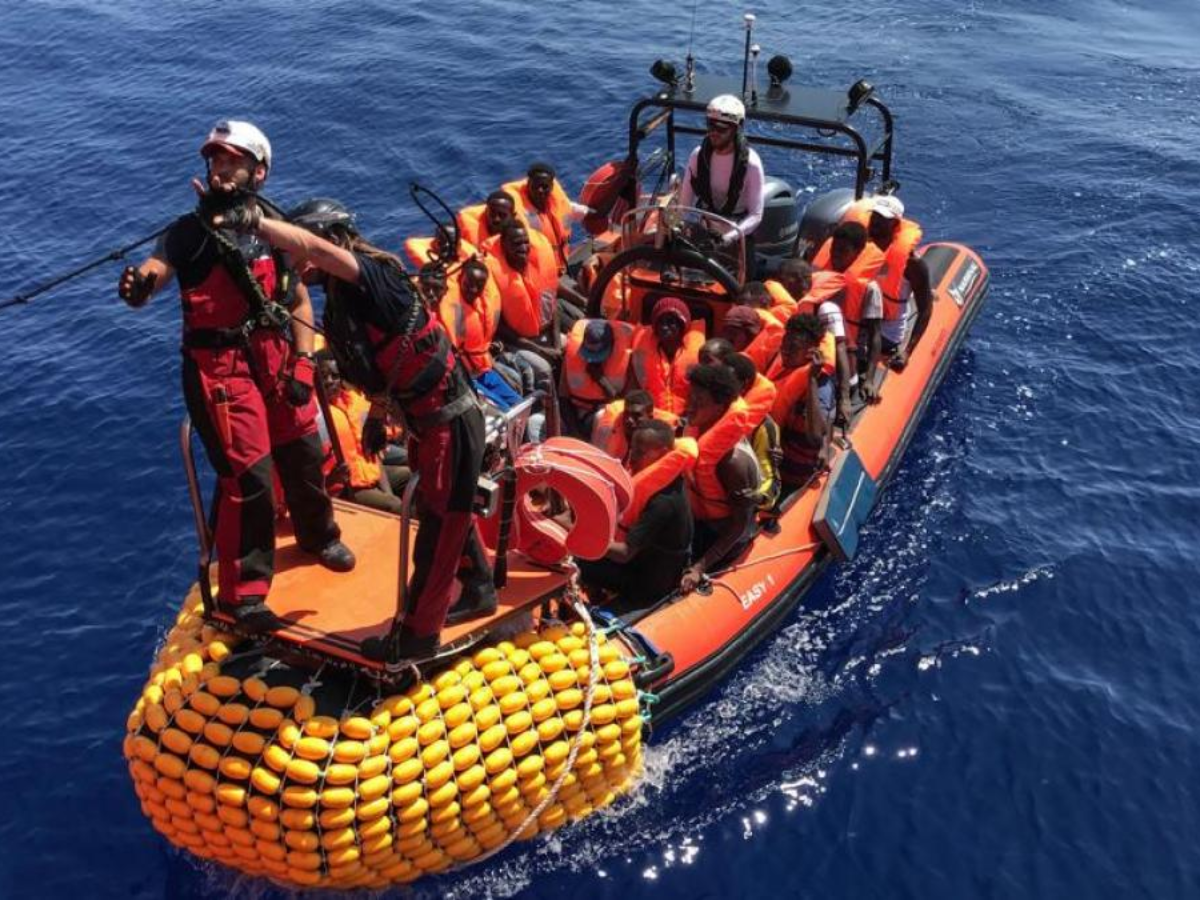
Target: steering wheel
[679, 252]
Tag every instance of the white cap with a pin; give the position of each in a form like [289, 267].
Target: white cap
[726, 108]
[889, 207]
[240, 136]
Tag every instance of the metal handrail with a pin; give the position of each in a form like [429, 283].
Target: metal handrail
[199, 517]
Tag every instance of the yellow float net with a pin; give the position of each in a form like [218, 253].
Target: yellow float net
[519, 738]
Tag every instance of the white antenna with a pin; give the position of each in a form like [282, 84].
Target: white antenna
[754, 50]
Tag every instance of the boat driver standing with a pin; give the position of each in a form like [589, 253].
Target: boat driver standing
[725, 176]
[247, 375]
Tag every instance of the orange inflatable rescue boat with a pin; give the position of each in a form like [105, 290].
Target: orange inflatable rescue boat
[298, 759]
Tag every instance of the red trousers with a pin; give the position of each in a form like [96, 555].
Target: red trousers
[245, 422]
[448, 459]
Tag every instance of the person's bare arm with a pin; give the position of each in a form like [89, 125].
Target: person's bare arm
[303, 326]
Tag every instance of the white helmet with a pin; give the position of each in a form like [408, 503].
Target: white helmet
[241, 136]
[726, 108]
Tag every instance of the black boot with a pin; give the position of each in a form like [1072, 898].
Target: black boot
[405, 646]
[477, 601]
[336, 557]
[252, 616]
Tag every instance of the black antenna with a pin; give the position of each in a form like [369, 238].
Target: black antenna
[749, 19]
[689, 82]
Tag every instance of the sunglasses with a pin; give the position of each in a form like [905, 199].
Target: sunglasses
[721, 127]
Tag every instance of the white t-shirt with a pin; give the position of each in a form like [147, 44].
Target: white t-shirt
[748, 213]
[831, 317]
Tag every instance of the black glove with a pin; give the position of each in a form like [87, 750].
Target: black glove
[134, 287]
[299, 388]
[374, 436]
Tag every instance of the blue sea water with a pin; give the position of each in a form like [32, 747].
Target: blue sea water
[997, 698]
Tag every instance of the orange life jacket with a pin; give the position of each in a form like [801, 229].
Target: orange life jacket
[471, 326]
[348, 410]
[581, 386]
[783, 304]
[472, 221]
[705, 491]
[887, 267]
[418, 250]
[765, 346]
[659, 475]
[759, 399]
[554, 223]
[890, 277]
[608, 429]
[666, 379]
[854, 285]
[521, 292]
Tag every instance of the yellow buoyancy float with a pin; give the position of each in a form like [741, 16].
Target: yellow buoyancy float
[502, 745]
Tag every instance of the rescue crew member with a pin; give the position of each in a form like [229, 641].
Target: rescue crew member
[796, 290]
[616, 422]
[647, 563]
[363, 476]
[804, 405]
[478, 223]
[861, 303]
[663, 353]
[595, 368]
[904, 279]
[723, 488]
[724, 175]
[387, 344]
[547, 208]
[247, 376]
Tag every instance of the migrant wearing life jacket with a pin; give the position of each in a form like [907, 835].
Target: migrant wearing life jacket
[659, 475]
[891, 276]
[888, 265]
[765, 346]
[702, 180]
[584, 390]
[420, 251]
[471, 326]
[348, 410]
[788, 410]
[854, 284]
[473, 225]
[608, 429]
[705, 491]
[666, 379]
[760, 398]
[554, 223]
[521, 292]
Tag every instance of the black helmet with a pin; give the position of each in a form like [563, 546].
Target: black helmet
[321, 214]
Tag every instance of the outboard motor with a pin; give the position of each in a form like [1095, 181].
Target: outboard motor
[822, 216]
[776, 235]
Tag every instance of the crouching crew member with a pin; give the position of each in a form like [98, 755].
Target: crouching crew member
[724, 486]
[646, 562]
[387, 344]
[247, 376]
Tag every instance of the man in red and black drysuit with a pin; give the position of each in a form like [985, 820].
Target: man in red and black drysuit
[247, 376]
[388, 345]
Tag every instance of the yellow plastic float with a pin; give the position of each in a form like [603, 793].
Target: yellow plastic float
[519, 738]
